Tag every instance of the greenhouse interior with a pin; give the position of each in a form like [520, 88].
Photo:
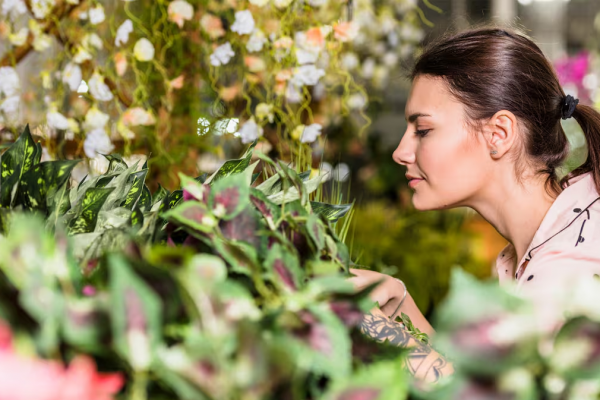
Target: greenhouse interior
[299, 199]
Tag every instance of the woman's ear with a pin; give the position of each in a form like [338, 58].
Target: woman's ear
[500, 133]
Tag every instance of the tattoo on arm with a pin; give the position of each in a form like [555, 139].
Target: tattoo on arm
[422, 361]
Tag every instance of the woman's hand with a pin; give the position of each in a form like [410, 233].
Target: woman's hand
[388, 293]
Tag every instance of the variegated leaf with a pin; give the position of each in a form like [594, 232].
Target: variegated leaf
[91, 204]
[116, 163]
[136, 190]
[192, 215]
[14, 163]
[331, 212]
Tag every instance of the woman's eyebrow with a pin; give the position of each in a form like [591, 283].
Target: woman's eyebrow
[414, 116]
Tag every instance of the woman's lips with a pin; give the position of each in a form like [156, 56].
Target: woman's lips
[414, 182]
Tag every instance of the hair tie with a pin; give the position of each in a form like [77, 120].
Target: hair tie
[568, 106]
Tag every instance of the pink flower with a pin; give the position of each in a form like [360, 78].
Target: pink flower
[212, 25]
[345, 31]
[177, 83]
[120, 63]
[52, 381]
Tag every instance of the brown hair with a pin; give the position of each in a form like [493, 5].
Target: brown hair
[489, 69]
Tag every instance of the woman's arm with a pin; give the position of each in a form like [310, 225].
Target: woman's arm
[388, 295]
[423, 362]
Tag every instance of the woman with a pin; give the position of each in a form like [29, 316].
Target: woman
[484, 132]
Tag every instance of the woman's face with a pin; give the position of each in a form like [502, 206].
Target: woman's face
[450, 164]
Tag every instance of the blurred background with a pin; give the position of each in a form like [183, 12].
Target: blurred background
[175, 95]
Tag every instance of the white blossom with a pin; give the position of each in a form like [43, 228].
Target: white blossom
[14, 8]
[95, 119]
[293, 94]
[98, 89]
[96, 15]
[42, 42]
[307, 75]
[41, 8]
[282, 3]
[244, 23]
[264, 111]
[306, 56]
[259, 3]
[19, 38]
[310, 133]
[81, 55]
[122, 36]
[256, 41]
[72, 76]
[97, 141]
[180, 11]
[9, 81]
[222, 55]
[250, 131]
[143, 50]
[92, 40]
[56, 120]
[10, 108]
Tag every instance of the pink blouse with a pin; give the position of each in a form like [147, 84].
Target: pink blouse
[564, 250]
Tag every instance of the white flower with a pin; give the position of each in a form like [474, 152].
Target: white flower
[293, 94]
[56, 120]
[180, 11]
[42, 42]
[306, 56]
[310, 133]
[256, 41]
[10, 108]
[307, 75]
[244, 23]
[95, 119]
[72, 76]
[98, 89]
[350, 61]
[356, 101]
[264, 111]
[81, 55]
[96, 15]
[9, 81]
[259, 3]
[123, 32]
[138, 116]
[14, 8]
[41, 8]
[19, 38]
[92, 40]
[97, 141]
[250, 131]
[222, 55]
[143, 50]
[282, 3]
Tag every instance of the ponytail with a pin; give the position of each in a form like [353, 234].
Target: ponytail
[589, 121]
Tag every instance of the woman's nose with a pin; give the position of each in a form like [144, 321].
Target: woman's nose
[405, 152]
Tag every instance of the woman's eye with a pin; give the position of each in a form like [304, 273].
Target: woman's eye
[422, 132]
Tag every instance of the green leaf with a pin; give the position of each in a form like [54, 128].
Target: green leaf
[284, 267]
[175, 198]
[137, 218]
[232, 167]
[38, 153]
[292, 193]
[135, 313]
[255, 177]
[145, 200]
[136, 190]
[85, 220]
[229, 196]
[122, 183]
[316, 231]
[14, 163]
[159, 195]
[266, 207]
[332, 212]
[116, 163]
[193, 216]
[59, 205]
[40, 185]
[202, 178]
